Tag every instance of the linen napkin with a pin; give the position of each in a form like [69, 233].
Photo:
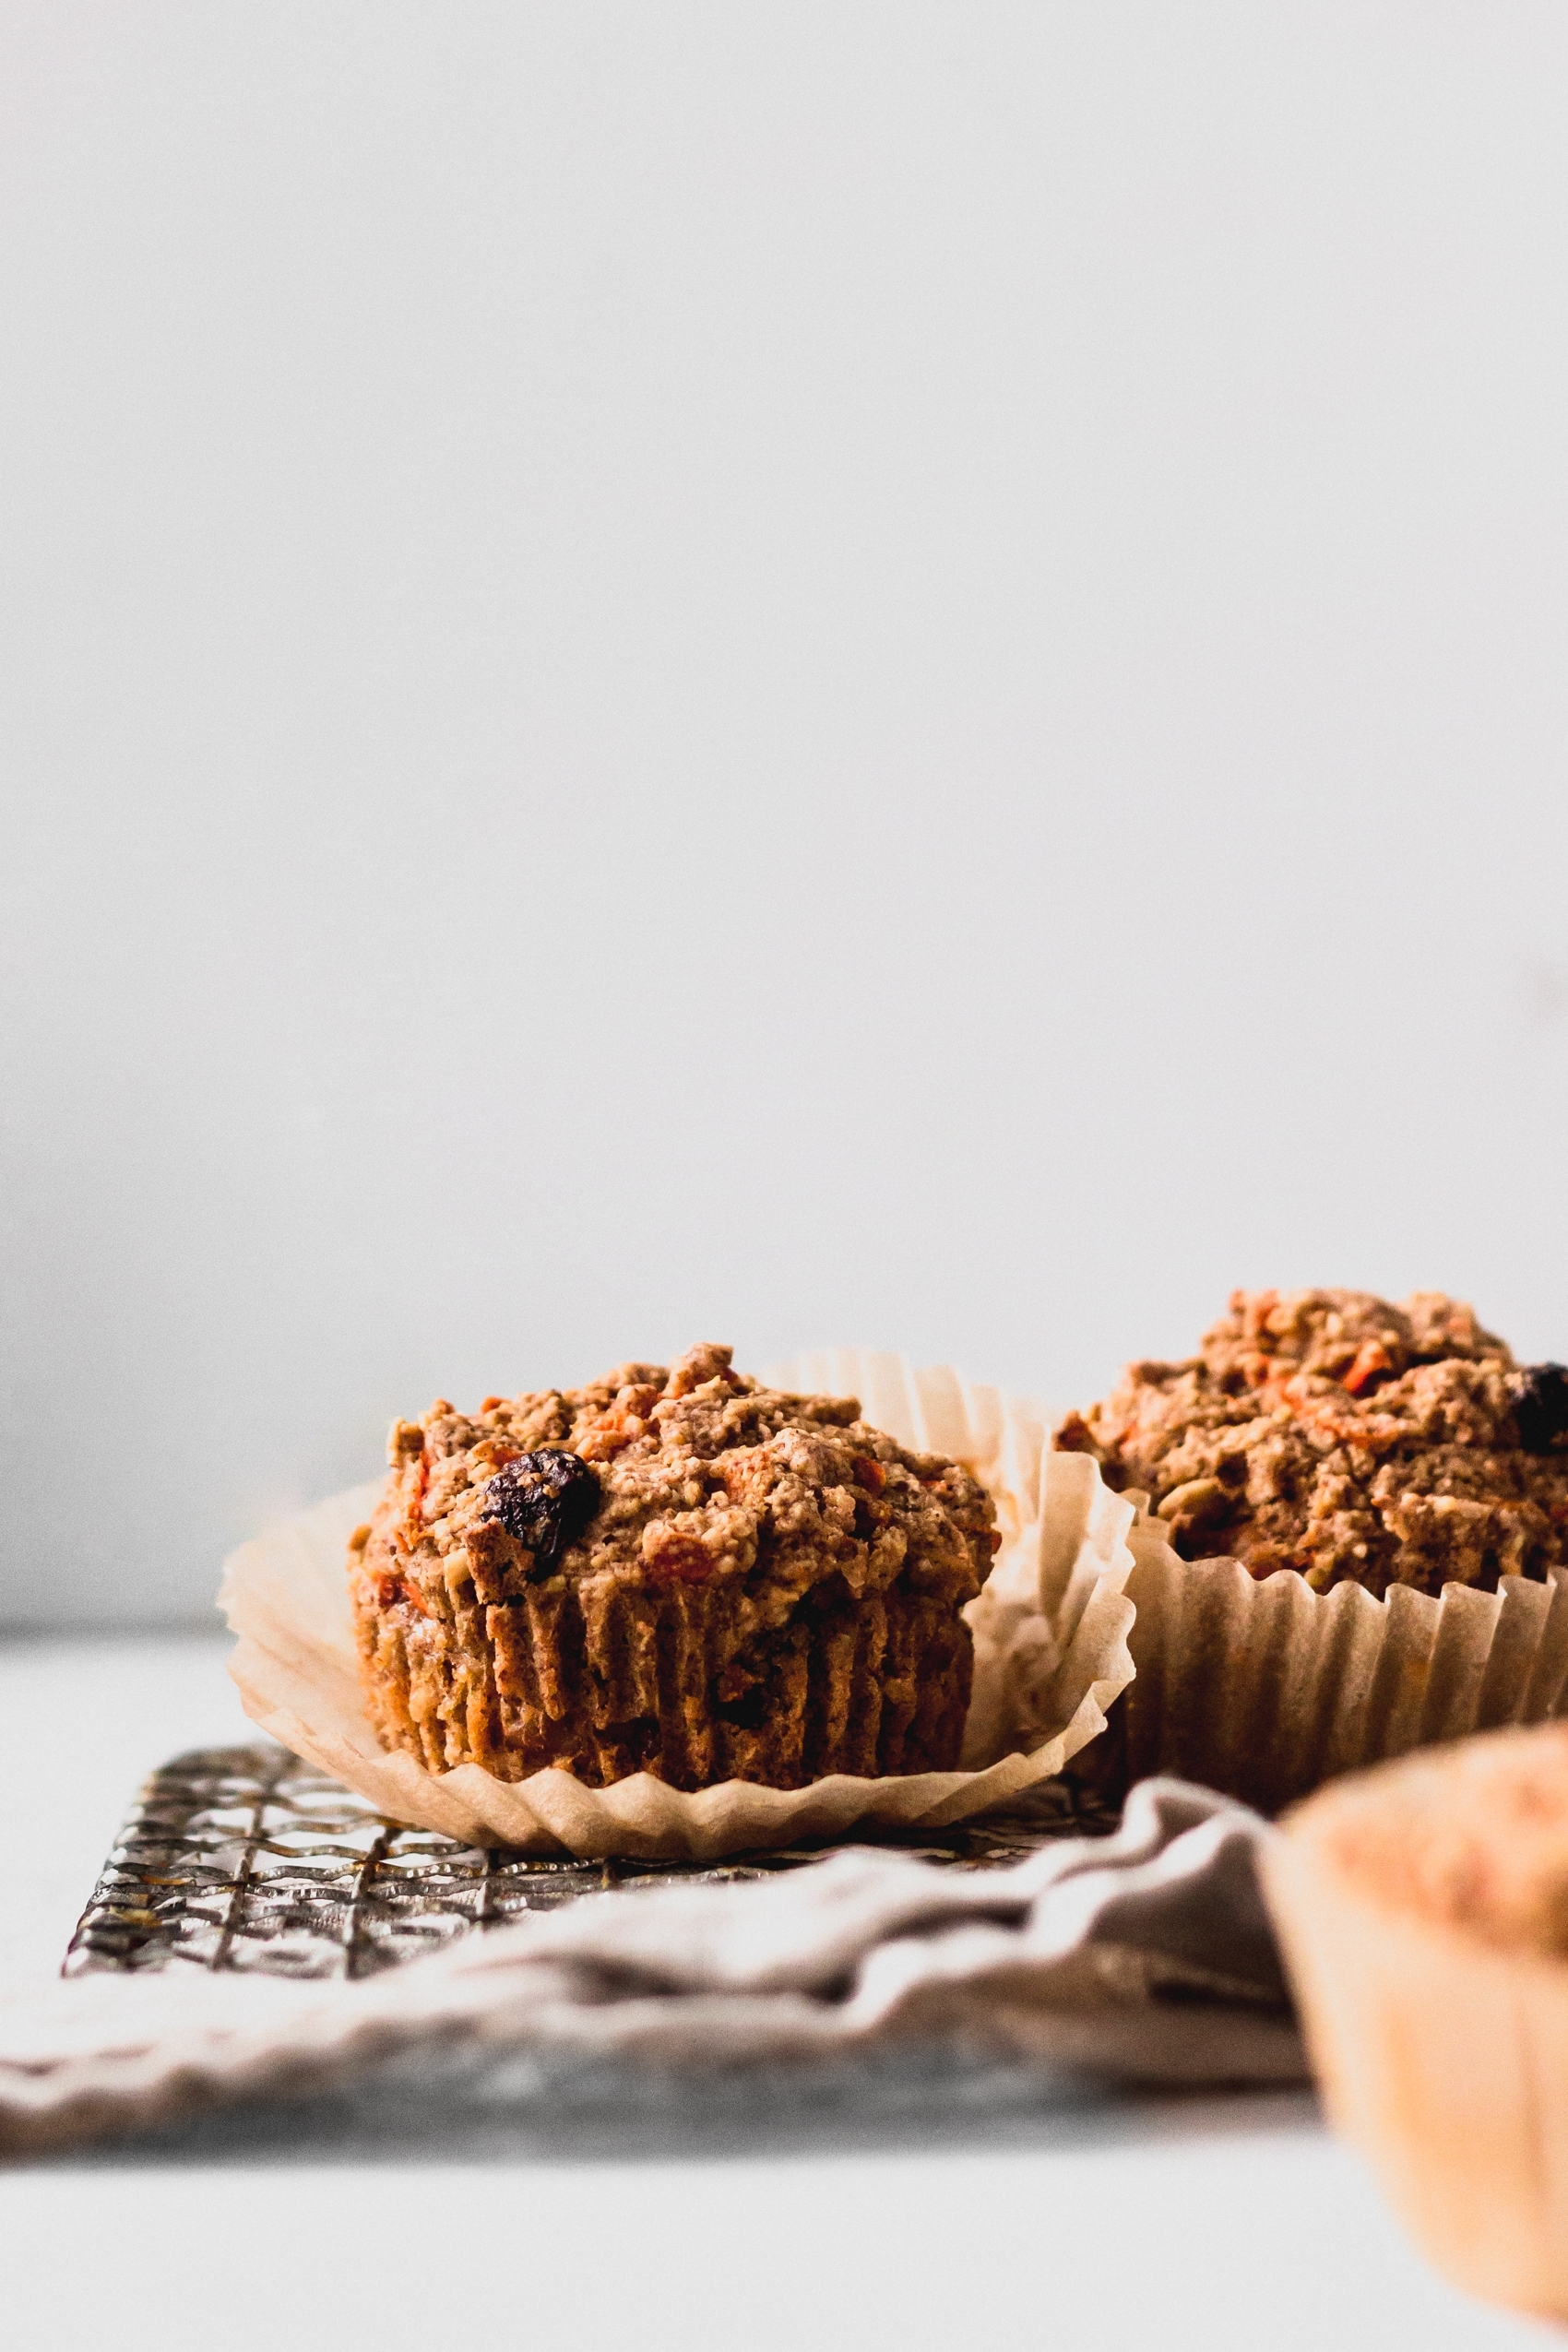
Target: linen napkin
[1142, 1958]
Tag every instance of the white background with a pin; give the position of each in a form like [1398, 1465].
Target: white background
[786, 673]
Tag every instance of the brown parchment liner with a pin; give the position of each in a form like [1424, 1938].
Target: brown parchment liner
[1442, 2056]
[1265, 1689]
[1050, 1653]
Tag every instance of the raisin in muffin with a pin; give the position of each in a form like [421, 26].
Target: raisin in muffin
[1330, 1432]
[675, 1572]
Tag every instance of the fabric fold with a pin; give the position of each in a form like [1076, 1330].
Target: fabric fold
[1145, 1957]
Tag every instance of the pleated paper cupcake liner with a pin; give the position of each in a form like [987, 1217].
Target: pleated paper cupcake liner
[1051, 1631]
[1264, 1689]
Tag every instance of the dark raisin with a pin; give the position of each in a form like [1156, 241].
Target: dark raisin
[1540, 1404]
[545, 1500]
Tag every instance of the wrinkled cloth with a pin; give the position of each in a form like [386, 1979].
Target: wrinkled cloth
[1146, 1957]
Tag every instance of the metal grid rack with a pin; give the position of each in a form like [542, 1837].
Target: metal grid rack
[247, 1859]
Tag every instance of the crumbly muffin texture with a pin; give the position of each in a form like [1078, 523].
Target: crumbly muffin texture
[673, 1571]
[1331, 1433]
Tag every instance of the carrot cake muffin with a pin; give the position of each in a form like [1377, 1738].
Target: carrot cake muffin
[1472, 1838]
[1331, 1433]
[1423, 1909]
[675, 1572]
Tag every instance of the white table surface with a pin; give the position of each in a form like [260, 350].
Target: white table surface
[1211, 2223]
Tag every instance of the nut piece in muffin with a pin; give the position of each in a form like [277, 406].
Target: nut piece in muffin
[1333, 1434]
[677, 1571]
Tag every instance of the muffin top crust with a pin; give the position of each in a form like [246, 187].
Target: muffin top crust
[1473, 1836]
[652, 1477]
[1331, 1433]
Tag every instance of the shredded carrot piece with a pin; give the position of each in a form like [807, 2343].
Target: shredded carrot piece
[1318, 1413]
[1371, 1360]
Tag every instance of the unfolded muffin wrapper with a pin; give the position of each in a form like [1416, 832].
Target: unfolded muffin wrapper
[1051, 1630]
[1264, 1689]
[1442, 2057]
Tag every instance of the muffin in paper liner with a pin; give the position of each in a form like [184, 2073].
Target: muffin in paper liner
[1051, 1654]
[1420, 1909]
[1264, 1689]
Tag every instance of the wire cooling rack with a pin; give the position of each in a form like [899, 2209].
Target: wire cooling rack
[248, 1859]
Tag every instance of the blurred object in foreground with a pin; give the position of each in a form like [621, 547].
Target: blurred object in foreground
[1423, 1912]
